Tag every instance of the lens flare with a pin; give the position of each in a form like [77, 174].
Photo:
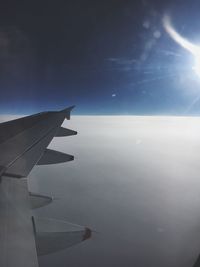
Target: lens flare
[182, 41]
[196, 67]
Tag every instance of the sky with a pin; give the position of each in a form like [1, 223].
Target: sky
[135, 183]
[109, 57]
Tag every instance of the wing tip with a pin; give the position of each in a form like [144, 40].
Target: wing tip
[87, 234]
[67, 111]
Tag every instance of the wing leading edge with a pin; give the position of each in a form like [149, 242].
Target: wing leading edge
[24, 144]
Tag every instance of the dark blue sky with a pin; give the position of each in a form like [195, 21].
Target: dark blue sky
[106, 57]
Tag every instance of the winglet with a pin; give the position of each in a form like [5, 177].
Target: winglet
[67, 112]
[87, 234]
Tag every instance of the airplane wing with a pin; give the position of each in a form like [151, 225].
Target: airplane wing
[23, 144]
[23, 141]
[197, 263]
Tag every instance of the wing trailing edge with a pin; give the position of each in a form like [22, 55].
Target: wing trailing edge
[25, 140]
[23, 143]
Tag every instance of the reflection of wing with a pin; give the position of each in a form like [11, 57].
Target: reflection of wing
[23, 144]
[65, 234]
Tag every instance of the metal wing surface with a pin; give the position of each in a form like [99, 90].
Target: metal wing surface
[23, 141]
[23, 144]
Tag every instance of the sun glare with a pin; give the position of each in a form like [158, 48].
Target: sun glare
[182, 41]
[196, 67]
